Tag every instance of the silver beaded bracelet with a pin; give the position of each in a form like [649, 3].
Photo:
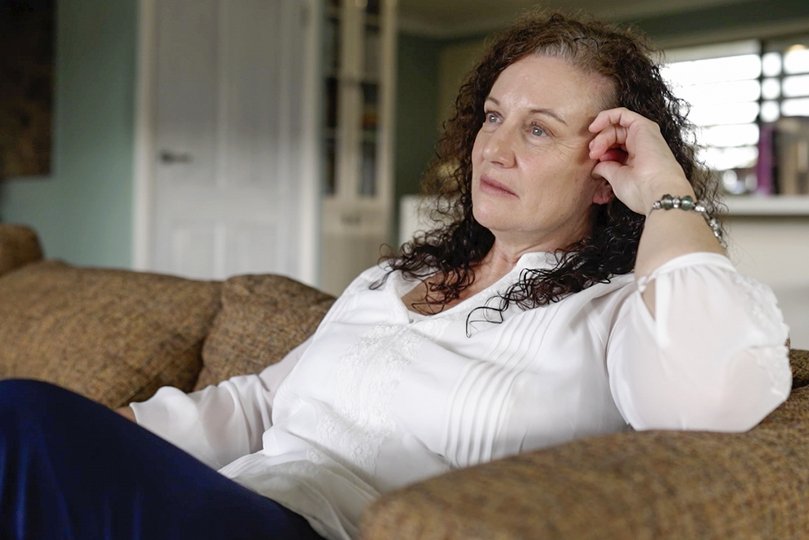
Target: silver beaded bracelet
[668, 202]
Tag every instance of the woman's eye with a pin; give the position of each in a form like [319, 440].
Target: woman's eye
[491, 118]
[537, 131]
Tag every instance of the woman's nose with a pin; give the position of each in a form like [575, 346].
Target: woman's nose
[499, 148]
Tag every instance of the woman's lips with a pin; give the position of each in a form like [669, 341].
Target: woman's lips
[490, 185]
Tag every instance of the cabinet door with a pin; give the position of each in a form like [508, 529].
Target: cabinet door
[358, 74]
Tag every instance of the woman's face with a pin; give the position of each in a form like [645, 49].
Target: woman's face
[532, 182]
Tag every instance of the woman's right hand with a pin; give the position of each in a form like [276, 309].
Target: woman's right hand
[126, 412]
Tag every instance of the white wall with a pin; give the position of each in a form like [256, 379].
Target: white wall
[775, 250]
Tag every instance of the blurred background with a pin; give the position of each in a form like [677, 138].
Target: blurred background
[208, 138]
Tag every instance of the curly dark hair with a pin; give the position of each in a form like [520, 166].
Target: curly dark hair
[452, 250]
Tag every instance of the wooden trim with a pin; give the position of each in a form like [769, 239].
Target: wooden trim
[311, 158]
[143, 173]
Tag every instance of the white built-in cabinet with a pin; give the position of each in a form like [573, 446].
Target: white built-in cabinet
[358, 78]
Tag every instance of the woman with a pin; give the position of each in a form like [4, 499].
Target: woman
[518, 325]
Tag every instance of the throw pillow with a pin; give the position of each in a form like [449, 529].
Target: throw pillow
[262, 318]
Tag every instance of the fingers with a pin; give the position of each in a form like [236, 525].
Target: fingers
[619, 116]
[610, 127]
[614, 129]
[618, 155]
[607, 170]
[126, 412]
[611, 138]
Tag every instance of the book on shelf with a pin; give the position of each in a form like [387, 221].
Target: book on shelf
[783, 157]
[765, 165]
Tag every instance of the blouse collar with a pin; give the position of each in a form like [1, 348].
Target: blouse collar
[399, 285]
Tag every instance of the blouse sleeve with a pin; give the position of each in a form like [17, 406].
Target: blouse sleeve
[219, 423]
[713, 357]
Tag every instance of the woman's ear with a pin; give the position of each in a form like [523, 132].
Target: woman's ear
[603, 192]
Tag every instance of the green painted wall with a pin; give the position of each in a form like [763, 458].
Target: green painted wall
[417, 78]
[745, 19]
[83, 210]
[416, 109]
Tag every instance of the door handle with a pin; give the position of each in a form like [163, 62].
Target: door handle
[170, 158]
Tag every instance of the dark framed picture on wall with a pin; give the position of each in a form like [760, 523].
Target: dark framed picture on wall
[26, 87]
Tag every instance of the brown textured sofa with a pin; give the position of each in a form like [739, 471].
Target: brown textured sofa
[116, 336]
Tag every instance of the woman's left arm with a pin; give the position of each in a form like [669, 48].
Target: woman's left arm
[644, 173]
[713, 358]
[701, 347]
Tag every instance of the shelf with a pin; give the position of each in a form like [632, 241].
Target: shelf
[373, 21]
[358, 78]
[776, 205]
[333, 12]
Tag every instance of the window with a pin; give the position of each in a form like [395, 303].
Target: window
[748, 101]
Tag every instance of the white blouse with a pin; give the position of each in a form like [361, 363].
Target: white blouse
[380, 397]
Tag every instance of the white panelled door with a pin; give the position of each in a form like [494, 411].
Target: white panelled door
[234, 187]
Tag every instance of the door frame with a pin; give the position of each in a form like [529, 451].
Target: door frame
[308, 220]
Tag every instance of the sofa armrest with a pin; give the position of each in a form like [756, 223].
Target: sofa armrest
[19, 245]
[655, 484]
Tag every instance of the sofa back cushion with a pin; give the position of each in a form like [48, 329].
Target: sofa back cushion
[19, 245]
[112, 335]
[799, 362]
[262, 318]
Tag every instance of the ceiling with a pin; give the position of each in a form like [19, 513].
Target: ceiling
[458, 18]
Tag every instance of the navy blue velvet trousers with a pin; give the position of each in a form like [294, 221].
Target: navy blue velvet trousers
[73, 469]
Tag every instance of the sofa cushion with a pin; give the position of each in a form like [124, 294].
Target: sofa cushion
[112, 335]
[262, 318]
